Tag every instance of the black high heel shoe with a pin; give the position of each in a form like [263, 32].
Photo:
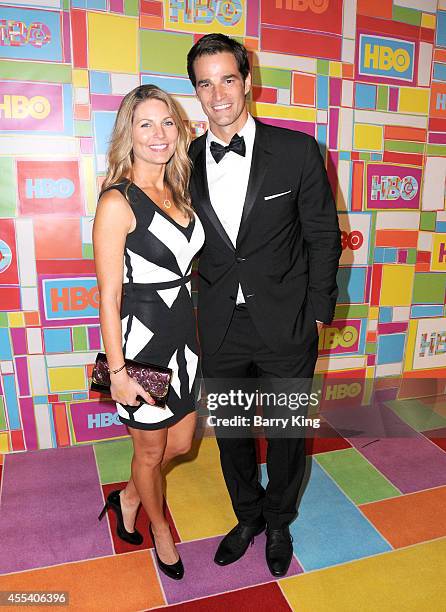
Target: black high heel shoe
[175, 570]
[114, 503]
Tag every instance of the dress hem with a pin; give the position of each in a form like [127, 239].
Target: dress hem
[154, 426]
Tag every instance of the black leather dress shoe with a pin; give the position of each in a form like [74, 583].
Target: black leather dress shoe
[279, 550]
[235, 543]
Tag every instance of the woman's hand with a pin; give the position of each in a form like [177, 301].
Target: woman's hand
[124, 390]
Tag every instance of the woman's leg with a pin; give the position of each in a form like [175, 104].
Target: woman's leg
[179, 437]
[179, 440]
[149, 449]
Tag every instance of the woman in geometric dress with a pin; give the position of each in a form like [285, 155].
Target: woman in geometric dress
[145, 237]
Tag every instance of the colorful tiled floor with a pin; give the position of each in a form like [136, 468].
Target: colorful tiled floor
[370, 535]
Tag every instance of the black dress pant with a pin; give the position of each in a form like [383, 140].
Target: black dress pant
[243, 355]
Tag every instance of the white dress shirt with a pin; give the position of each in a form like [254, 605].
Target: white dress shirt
[228, 182]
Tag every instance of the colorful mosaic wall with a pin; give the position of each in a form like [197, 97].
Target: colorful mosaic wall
[366, 78]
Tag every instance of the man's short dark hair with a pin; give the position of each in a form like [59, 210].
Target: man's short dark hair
[217, 43]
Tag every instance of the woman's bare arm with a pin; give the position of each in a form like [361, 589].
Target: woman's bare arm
[111, 225]
[113, 221]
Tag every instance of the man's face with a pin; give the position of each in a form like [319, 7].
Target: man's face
[221, 90]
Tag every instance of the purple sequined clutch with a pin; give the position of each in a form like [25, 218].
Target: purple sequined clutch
[153, 379]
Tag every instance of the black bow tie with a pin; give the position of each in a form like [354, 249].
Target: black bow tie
[237, 145]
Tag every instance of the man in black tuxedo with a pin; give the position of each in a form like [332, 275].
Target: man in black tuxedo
[267, 278]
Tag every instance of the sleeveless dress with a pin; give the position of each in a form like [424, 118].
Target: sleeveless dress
[157, 315]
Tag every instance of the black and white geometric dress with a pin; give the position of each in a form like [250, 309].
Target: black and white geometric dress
[157, 315]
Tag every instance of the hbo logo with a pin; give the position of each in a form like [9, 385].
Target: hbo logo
[334, 392]
[332, 337]
[317, 6]
[393, 187]
[196, 11]
[21, 107]
[74, 298]
[385, 58]
[48, 188]
[353, 240]
[103, 419]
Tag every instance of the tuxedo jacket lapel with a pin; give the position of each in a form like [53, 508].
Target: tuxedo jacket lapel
[259, 167]
[204, 200]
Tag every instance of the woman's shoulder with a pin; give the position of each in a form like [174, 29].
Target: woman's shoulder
[117, 192]
[114, 201]
[121, 186]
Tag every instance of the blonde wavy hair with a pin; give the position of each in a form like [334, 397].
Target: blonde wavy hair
[120, 152]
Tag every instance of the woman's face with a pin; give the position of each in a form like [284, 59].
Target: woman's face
[154, 133]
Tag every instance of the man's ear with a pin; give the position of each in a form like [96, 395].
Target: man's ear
[248, 84]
